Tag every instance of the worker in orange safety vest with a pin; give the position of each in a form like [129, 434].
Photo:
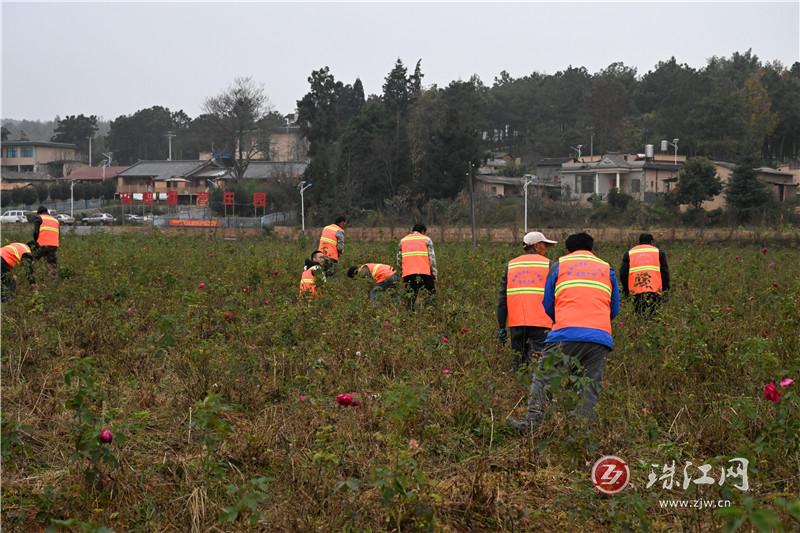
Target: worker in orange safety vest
[417, 261]
[581, 295]
[331, 244]
[645, 275]
[46, 235]
[383, 276]
[313, 275]
[519, 301]
[12, 256]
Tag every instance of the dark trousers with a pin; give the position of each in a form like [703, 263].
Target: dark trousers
[384, 285]
[525, 341]
[9, 284]
[414, 283]
[646, 303]
[581, 359]
[50, 255]
[329, 267]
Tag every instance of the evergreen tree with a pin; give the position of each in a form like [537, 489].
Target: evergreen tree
[698, 182]
[746, 195]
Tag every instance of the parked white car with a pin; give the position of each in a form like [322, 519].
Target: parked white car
[14, 217]
[99, 218]
[63, 218]
[138, 219]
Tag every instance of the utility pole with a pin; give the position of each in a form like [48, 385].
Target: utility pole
[107, 163]
[472, 206]
[90, 150]
[303, 187]
[170, 135]
[527, 182]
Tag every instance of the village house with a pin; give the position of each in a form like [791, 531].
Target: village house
[95, 173]
[38, 156]
[288, 144]
[187, 178]
[283, 144]
[633, 174]
[11, 179]
[272, 171]
[781, 183]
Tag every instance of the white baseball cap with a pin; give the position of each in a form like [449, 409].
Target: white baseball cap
[535, 237]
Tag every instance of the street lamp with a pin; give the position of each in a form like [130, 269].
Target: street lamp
[527, 182]
[577, 149]
[472, 205]
[665, 144]
[302, 188]
[169, 136]
[71, 198]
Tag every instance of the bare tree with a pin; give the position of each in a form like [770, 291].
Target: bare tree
[239, 112]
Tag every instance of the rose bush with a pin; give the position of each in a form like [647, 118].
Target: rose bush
[215, 385]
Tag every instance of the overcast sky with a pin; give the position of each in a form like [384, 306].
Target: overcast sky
[110, 59]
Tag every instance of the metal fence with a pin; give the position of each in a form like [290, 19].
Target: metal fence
[270, 219]
[62, 206]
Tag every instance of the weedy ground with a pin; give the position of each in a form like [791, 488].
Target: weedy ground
[221, 399]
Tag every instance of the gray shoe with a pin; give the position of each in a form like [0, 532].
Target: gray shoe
[524, 426]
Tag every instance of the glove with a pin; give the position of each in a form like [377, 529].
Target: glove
[502, 335]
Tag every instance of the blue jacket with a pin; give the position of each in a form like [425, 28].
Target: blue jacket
[595, 336]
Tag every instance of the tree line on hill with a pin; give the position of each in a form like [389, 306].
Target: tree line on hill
[413, 144]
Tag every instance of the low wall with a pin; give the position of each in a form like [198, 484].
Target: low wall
[451, 234]
[456, 234]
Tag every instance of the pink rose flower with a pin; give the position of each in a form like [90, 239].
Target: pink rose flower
[772, 393]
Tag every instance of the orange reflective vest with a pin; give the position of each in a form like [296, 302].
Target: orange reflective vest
[12, 253]
[48, 231]
[583, 292]
[414, 253]
[308, 283]
[327, 241]
[645, 269]
[378, 271]
[525, 282]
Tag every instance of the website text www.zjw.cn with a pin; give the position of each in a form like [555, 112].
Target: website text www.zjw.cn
[693, 504]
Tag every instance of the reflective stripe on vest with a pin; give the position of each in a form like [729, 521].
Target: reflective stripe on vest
[12, 253]
[379, 272]
[308, 284]
[525, 282]
[414, 254]
[48, 231]
[328, 242]
[645, 269]
[583, 292]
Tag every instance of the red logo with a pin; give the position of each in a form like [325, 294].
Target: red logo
[610, 474]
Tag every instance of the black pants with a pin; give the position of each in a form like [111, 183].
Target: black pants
[329, 267]
[646, 303]
[385, 285]
[581, 359]
[414, 283]
[50, 255]
[525, 341]
[9, 284]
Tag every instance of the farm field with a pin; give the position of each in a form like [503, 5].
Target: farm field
[219, 388]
